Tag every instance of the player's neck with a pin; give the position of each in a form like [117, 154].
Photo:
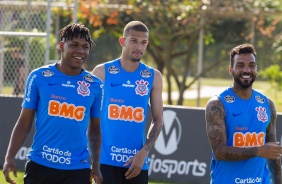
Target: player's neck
[244, 93]
[128, 65]
[67, 70]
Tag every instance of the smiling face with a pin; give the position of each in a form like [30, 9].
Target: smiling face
[134, 45]
[74, 52]
[244, 70]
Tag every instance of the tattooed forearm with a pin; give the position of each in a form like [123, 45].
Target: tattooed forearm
[273, 165]
[236, 154]
[153, 134]
[215, 125]
[271, 128]
[216, 131]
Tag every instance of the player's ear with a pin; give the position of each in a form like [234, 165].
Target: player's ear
[121, 41]
[230, 70]
[61, 46]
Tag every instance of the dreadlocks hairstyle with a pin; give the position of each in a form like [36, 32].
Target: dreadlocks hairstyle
[241, 49]
[76, 30]
[136, 26]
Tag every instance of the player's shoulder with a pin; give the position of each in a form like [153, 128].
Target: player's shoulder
[93, 81]
[150, 68]
[214, 102]
[44, 71]
[101, 67]
[91, 78]
[157, 72]
[262, 98]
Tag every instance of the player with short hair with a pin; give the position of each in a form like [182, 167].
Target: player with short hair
[129, 85]
[241, 127]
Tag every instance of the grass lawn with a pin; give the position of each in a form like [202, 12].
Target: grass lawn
[19, 179]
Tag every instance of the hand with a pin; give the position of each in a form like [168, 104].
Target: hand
[9, 165]
[136, 162]
[271, 150]
[96, 175]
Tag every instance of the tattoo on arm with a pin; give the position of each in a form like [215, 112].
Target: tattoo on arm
[273, 165]
[214, 128]
[216, 131]
[153, 134]
[271, 129]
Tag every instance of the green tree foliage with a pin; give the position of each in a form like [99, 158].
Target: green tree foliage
[174, 28]
[273, 74]
[174, 31]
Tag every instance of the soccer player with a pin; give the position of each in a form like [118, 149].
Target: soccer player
[129, 85]
[65, 101]
[241, 127]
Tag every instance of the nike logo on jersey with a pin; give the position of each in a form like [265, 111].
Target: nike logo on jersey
[237, 114]
[52, 84]
[113, 84]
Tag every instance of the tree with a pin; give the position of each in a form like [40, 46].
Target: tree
[274, 75]
[174, 29]
[174, 33]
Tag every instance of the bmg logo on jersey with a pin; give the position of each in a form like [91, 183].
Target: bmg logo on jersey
[126, 113]
[248, 139]
[65, 110]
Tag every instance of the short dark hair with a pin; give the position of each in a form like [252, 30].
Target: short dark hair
[136, 26]
[74, 30]
[241, 49]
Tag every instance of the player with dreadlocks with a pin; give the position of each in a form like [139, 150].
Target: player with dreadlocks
[65, 100]
[74, 31]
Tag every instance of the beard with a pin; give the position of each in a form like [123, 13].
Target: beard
[245, 83]
[135, 59]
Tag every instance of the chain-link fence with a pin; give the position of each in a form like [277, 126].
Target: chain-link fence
[25, 28]
[22, 43]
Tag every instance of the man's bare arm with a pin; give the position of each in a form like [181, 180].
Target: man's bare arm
[216, 131]
[19, 135]
[274, 165]
[94, 140]
[156, 126]
[157, 112]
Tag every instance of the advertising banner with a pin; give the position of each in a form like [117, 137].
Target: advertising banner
[181, 153]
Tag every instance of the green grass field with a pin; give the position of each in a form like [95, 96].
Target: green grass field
[19, 179]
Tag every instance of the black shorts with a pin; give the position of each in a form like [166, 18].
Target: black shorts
[116, 175]
[38, 174]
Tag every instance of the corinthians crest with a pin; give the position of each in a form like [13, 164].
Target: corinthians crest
[83, 88]
[262, 115]
[142, 87]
